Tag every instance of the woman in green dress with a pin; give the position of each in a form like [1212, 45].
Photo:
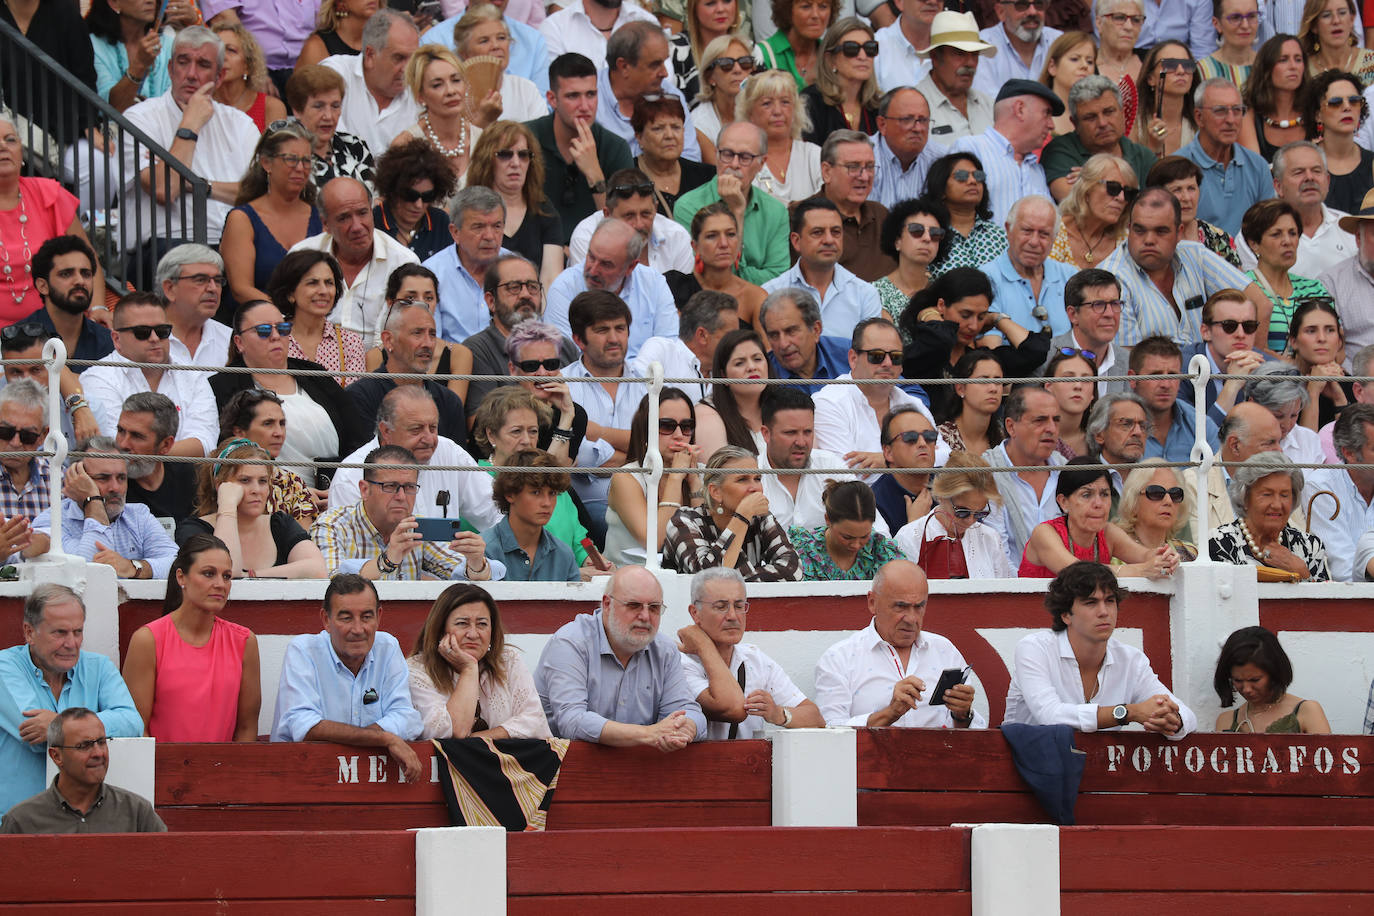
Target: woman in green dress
[1254, 665]
[846, 546]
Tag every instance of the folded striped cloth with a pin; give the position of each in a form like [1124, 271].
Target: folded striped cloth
[505, 782]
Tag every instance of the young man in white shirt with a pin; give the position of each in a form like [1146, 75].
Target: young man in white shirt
[738, 686]
[1076, 674]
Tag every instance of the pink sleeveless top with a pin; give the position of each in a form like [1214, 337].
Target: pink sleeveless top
[196, 697]
[1097, 551]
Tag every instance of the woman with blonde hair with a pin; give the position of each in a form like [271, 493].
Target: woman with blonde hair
[507, 159]
[792, 166]
[845, 93]
[952, 541]
[434, 76]
[707, 21]
[243, 83]
[726, 62]
[338, 30]
[1093, 215]
[1071, 57]
[482, 32]
[1156, 506]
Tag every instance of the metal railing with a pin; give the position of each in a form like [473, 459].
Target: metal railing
[72, 135]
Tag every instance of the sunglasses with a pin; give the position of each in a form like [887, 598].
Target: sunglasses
[1089, 355]
[1339, 101]
[23, 329]
[1229, 325]
[640, 189]
[505, 155]
[1154, 493]
[962, 512]
[410, 195]
[852, 48]
[265, 330]
[1022, 5]
[667, 426]
[26, 436]
[918, 230]
[1117, 189]
[1176, 63]
[553, 364]
[978, 175]
[912, 436]
[876, 357]
[729, 63]
[144, 331]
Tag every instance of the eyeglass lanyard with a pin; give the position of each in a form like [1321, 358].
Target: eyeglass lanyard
[896, 659]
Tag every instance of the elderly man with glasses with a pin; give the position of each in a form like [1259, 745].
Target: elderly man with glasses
[612, 678]
[1233, 177]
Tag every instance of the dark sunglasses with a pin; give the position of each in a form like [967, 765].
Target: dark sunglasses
[876, 357]
[410, 195]
[505, 155]
[979, 175]
[1089, 355]
[962, 512]
[553, 364]
[912, 436]
[1176, 63]
[144, 331]
[918, 230]
[852, 48]
[1229, 325]
[26, 436]
[23, 329]
[640, 189]
[745, 63]
[265, 330]
[667, 426]
[1154, 493]
[1117, 189]
[1336, 101]
[1022, 5]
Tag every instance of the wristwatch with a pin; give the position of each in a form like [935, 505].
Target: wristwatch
[90, 499]
[786, 717]
[185, 133]
[1121, 715]
[138, 568]
[599, 187]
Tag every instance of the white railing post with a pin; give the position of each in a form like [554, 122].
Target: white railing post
[1201, 369]
[55, 356]
[653, 461]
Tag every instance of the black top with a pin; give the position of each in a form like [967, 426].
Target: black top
[692, 175]
[579, 432]
[58, 29]
[286, 533]
[336, 45]
[826, 118]
[684, 286]
[927, 356]
[1347, 191]
[94, 341]
[431, 234]
[175, 499]
[323, 391]
[565, 186]
[536, 230]
[1266, 149]
[366, 395]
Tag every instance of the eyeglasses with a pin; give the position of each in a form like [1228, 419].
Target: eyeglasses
[1337, 101]
[977, 175]
[1221, 111]
[204, 279]
[1100, 306]
[505, 155]
[876, 357]
[23, 329]
[84, 745]
[739, 607]
[912, 436]
[1117, 189]
[1176, 63]
[26, 436]
[724, 155]
[410, 195]
[1089, 355]
[1155, 493]
[963, 512]
[1238, 18]
[144, 331]
[553, 364]
[857, 169]
[516, 287]
[1229, 325]
[1022, 5]
[640, 189]
[920, 230]
[635, 607]
[906, 122]
[1127, 424]
[667, 426]
[852, 48]
[1123, 18]
[729, 63]
[1328, 15]
[291, 161]
[265, 330]
[391, 488]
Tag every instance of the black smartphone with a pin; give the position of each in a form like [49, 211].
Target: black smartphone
[948, 678]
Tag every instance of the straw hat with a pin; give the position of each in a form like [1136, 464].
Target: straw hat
[956, 30]
[1366, 214]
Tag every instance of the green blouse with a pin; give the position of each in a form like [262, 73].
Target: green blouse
[817, 566]
[1282, 315]
[563, 524]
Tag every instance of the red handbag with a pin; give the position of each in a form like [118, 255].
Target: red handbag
[942, 558]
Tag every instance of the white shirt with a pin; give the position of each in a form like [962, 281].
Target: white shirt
[653, 313]
[948, 123]
[1302, 446]
[898, 63]
[570, 29]
[611, 410]
[360, 115]
[847, 300]
[363, 300]
[1317, 253]
[469, 491]
[760, 673]
[855, 678]
[807, 509]
[846, 423]
[1341, 536]
[521, 99]
[983, 551]
[213, 351]
[1007, 63]
[670, 246]
[223, 152]
[108, 383]
[678, 361]
[1047, 688]
[803, 174]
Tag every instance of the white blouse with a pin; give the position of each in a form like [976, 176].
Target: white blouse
[983, 550]
[513, 705]
[803, 174]
[310, 432]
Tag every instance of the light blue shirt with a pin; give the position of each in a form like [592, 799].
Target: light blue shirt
[1341, 535]
[1008, 180]
[583, 685]
[894, 183]
[609, 116]
[316, 687]
[112, 60]
[529, 53]
[93, 683]
[1227, 191]
[1013, 296]
[847, 300]
[1198, 273]
[1182, 431]
[135, 535]
[1007, 64]
[462, 310]
[652, 309]
[1188, 22]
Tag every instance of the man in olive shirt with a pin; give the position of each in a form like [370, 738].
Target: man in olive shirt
[1099, 126]
[848, 169]
[79, 801]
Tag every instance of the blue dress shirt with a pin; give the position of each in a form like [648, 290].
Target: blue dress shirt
[553, 559]
[1182, 431]
[1227, 191]
[135, 535]
[609, 116]
[1008, 179]
[462, 310]
[93, 683]
[847, 300]
[316, 687]
[1013, 297]
[893, 184]
[529, 53]
[652, 310]
[832, 361]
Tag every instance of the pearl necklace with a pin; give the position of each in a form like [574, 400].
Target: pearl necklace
[1250, 541]
[460, 150]
[18, 292]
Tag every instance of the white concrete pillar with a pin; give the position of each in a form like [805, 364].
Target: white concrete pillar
[1015, 869]
[815, 777]
[133, 766]
[1210, 602]
[460, 869]
[99, 589]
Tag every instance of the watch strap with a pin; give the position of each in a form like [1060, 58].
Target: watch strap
[185, 133]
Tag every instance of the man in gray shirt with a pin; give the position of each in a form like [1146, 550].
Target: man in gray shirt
[609, 677]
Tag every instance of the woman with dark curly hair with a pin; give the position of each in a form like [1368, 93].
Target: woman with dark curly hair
[959, 182]
[306, 286]
[1274, 95]
[507, 160]
[796, 46]
[1333, 109]
[916, 234]
[411, 178]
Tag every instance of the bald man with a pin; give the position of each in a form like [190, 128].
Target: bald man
[609, 677]
[1247, 430]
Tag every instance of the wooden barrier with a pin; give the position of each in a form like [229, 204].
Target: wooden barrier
[314, 786]
[738, 871]
[286, 874]
[946, 777]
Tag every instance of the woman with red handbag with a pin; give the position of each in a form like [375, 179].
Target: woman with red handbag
[951, 542]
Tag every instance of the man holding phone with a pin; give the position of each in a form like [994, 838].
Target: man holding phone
[892, 672]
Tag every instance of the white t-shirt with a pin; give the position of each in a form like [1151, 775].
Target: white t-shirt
[760, 673]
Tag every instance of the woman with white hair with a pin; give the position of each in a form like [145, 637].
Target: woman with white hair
[1263, 490]
[1273, 387]
[1156, 505]
[1118, 27]
[1093, 215]
[792, 166]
